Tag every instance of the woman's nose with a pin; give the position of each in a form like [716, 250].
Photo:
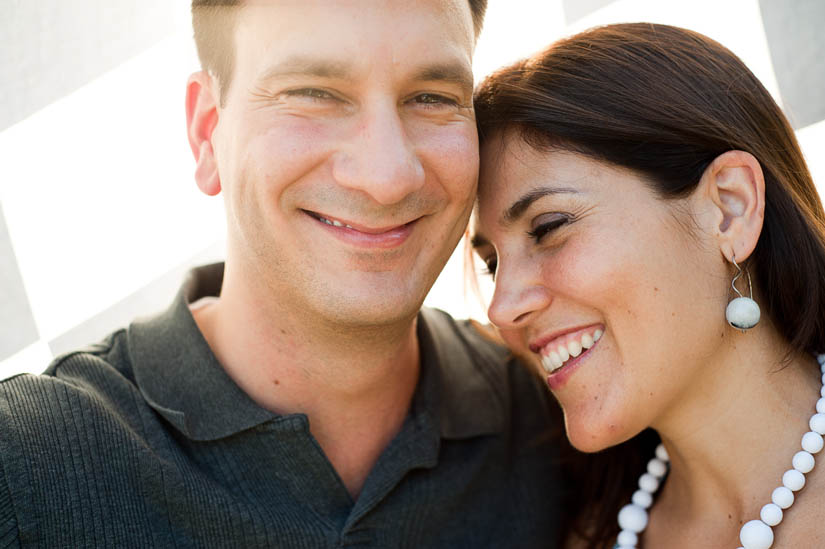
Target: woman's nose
[519, 295]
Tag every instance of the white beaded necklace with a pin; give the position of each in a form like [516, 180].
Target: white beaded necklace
[755, 534]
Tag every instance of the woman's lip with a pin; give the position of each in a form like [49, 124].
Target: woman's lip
[538, 344]
[559, 378]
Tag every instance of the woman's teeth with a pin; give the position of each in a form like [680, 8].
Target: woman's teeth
[555, 355]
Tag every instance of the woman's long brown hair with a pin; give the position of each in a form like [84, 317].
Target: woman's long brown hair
[664, 102]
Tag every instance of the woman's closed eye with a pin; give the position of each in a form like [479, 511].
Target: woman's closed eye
[547, 223]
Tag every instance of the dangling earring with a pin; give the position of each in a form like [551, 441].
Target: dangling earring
[742, 312]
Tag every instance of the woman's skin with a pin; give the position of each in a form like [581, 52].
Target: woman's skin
[577, 246]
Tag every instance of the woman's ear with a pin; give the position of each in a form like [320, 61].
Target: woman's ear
[201, 119]
[735, 186]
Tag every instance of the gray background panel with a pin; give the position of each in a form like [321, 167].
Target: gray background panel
[576, 9]
[52, 47]
[797, 46]
[17, 324]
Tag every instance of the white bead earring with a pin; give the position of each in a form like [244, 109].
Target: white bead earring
[742, 312]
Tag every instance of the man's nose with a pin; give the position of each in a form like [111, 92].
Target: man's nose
[519, 295]
[380, 159]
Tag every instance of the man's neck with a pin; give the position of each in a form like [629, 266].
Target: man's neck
[354, 384]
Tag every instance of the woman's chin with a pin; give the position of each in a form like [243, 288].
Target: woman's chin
[591, 436]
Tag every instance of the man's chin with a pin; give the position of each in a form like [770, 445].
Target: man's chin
[373, 304]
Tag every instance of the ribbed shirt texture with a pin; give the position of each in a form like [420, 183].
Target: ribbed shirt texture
[144, 441]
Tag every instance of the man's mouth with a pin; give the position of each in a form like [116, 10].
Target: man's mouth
[334, 222]
[362, 235]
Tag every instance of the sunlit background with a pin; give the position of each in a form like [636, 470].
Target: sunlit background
[99, 214]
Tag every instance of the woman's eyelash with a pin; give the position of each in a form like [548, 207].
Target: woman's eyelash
[542, 230]
[490, 266]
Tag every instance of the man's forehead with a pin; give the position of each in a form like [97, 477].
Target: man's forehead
[447, 70]
[337, 39]
[454, 12]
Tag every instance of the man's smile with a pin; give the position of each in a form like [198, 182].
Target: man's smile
[362, 235]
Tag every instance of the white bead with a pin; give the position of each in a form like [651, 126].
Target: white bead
[657, 467]
[823, 377]
[782, 497]
[642, 499]
[661, 453]
[793, 480]
[821, 359]
[817, 423]
[820, 405]
[812, 442]
[632, 518]
[628, 538]
[756, 535]
[742, 313]
[803, 462]
[771, 514]
[625, 547]
[822, 391]
[648, 483]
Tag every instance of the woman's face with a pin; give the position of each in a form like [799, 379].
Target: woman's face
[612, 293]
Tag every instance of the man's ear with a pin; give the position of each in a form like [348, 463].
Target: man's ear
[201, 119]
[735, 185]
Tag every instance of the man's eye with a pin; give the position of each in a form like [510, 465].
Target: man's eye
[311, 93]
[433, 99]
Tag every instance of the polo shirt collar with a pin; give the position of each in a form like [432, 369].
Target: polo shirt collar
[180, 377]
[178, 374]
[463, 377]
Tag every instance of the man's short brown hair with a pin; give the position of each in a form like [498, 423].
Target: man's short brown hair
[214, 24]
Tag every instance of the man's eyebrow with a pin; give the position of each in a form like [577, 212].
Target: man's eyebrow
[308, 66]
[520, 206]
[457, 73]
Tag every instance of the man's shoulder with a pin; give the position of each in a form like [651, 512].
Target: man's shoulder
[97, 378]
[475, 364]
[466, 343]
[479, 339]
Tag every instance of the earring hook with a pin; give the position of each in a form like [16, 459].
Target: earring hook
[736, 277]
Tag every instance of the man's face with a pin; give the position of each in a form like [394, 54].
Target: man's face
[347, 151]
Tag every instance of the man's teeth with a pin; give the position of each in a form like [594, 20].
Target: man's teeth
[561, 353]
[334, 223]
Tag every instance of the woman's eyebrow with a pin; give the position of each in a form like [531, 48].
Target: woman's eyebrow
[518, 207]
[478, 240]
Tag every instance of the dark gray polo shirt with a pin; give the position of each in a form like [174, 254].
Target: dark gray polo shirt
[144, 441]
